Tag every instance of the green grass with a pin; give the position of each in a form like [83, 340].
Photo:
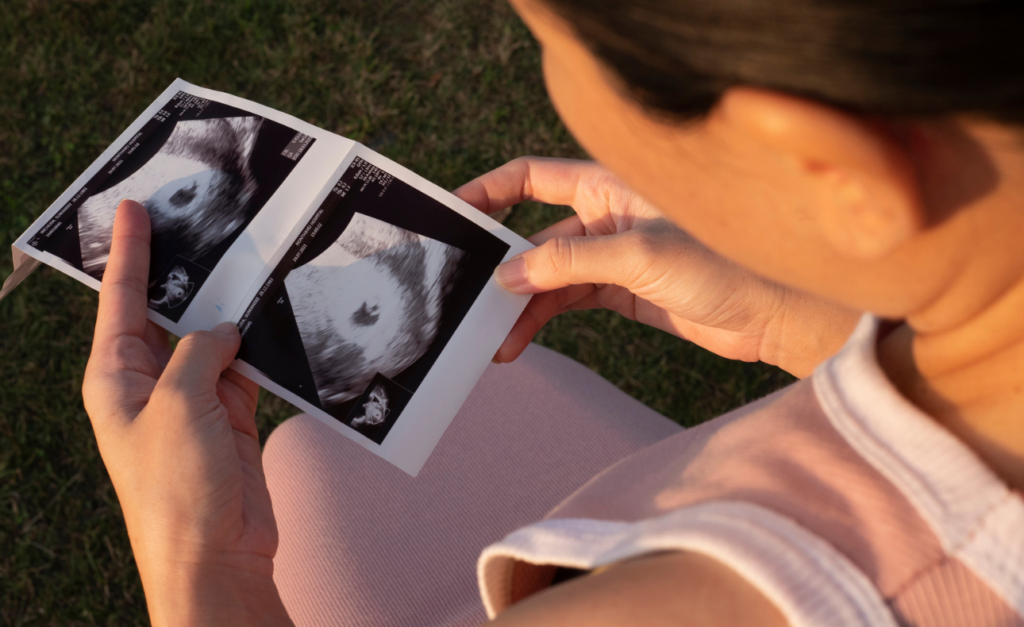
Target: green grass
[450, 88]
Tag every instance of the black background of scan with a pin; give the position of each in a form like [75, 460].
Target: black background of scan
[269, 168]
[272, 343]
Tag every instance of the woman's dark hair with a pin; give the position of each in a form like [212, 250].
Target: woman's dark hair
[883, 57]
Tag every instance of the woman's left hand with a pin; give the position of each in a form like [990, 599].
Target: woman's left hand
[619, 253]
[178, 437]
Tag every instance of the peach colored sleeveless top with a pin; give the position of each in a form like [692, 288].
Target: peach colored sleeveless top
[840, 501]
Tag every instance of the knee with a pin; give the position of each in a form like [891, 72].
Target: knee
[289, 442]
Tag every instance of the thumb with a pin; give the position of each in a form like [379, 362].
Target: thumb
[564, 261]
[198, 361]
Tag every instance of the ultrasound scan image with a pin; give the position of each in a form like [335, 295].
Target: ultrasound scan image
[357, 311]
[370, 303]
[196, 189]
[203, 170]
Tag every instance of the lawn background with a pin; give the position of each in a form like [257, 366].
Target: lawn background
[450, 89]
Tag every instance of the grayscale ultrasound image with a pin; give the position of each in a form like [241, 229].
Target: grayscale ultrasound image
[366, 298]
[370, 303]
[196, 188]
[203, 170]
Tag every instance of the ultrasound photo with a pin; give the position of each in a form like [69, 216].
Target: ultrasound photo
[370, 303]
[366, 298]
[203, 170]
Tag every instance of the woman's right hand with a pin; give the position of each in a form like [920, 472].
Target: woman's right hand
[619, 253]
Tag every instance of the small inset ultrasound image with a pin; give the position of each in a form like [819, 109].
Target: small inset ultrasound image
[377, 409]
[202, 170]
[174, 289]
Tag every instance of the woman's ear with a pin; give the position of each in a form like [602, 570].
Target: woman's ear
[862, 177]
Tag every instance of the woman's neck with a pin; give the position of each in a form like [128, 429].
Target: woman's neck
[969, 378]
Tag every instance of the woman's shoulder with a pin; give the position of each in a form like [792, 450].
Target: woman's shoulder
[771, 491]
[834, 493]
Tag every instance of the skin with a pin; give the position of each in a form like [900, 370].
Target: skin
[758, 232]
[620, 253]
[178, 437]
[917, 221]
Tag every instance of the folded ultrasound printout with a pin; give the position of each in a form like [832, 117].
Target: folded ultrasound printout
[364, 293]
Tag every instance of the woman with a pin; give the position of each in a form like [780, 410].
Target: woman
[808, 160]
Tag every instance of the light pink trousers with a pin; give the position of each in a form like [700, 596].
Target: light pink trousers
[362, 543]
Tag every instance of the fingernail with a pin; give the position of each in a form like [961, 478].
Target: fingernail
[227, 329]
[512, 274]
[494, 360]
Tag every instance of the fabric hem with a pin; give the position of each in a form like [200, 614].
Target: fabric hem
[805, 577]
[975, 517]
